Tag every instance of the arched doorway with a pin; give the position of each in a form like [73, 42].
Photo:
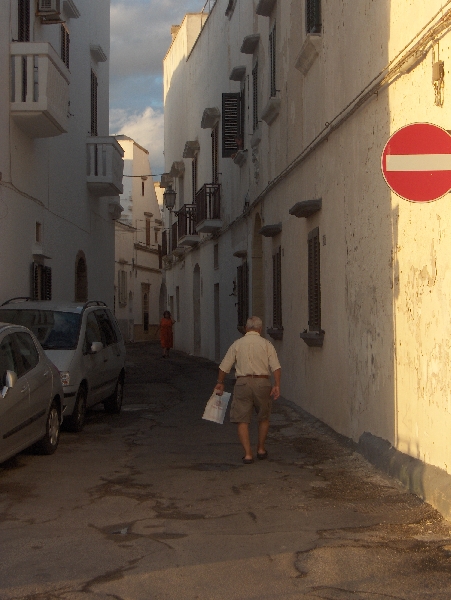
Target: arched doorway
[196, 311]
[81, 278]
[258, 287]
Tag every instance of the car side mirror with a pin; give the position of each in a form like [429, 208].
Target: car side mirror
[10, 380]
[96, 347]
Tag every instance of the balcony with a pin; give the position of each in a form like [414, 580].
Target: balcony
[39, 89]
[208, 208]
[104, 166]
[188, 235]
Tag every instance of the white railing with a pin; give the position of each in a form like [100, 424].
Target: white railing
[39, 89]
[105, 166]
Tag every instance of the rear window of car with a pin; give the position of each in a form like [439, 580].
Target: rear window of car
[55, 330]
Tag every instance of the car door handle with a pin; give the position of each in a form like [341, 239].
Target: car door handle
[24, 389]
[45, 374]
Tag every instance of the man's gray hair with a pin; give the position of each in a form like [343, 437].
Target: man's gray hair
[254, 324]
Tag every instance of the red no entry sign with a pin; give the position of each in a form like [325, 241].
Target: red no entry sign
[416, 162]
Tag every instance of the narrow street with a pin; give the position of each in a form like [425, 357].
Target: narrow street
[156, 504]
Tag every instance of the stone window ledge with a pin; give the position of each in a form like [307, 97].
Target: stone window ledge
[313, 338]
[271, 110]
[309, 52]
[275, 332]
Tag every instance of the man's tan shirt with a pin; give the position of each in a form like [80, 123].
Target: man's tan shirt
[253, 355]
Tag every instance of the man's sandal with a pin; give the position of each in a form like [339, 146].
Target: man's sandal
[247, 461]
[262, 456]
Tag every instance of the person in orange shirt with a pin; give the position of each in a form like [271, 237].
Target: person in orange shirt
[166, 335]
[255, 359]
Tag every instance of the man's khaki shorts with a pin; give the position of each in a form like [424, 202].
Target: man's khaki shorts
[250, 393]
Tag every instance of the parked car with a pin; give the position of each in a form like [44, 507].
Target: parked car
[84, 342]
[31, 394]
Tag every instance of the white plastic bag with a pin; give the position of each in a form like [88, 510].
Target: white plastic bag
[216, 408]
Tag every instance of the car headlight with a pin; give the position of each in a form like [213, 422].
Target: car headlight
[65, 377]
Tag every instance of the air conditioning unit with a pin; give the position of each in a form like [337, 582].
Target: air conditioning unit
[47, 8]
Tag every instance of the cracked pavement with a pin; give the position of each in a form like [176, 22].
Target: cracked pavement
[155, 503]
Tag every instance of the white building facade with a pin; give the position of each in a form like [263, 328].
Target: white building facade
[61, 174]
[276, 117]
[138, 248]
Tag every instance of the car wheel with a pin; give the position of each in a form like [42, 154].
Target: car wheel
[113, 404]
[76, 420]
[49, 442]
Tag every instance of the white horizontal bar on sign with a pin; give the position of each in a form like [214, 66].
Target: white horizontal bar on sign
[418, 162]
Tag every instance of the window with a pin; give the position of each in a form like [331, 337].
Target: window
[272, 61]
[243, 293]
[107, 329]
[313, 16]
[142, 188]
[156, 235]
[41, 282]
[177, 304]
[122, 287]
[147, 232]
[81, 278]
[145, 305]
[214, 154]
[194, 177]
[231, 123]
[216, 256]
[314, 282]
[38, 233]
[8, 359]
[92, 332]
[255, 96]
[65, 43]
[27, 353]
[23, 20]
[94, 85]
[277, 289]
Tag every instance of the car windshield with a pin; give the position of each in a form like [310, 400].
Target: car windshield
[55, 330]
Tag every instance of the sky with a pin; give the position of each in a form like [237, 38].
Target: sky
[140, 38]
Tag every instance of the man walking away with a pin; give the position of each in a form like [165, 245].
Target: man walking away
[255, 359]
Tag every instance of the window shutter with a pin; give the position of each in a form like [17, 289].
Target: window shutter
[214, 154]
[243, 293]
[314, 281]
[231, 120]
[34, 281]
[194, 177]
[277, 289]
[313, 16]
[272, 58]
[255, 96]
[65, 43]
[47, 283]
[93, 104]
[23, 32]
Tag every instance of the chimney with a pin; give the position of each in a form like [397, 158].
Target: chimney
[174, 31]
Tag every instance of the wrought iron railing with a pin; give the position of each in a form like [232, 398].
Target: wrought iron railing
[187, 220]
[208, 202]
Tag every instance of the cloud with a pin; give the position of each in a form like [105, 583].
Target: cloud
[146, 128]
[141, 33]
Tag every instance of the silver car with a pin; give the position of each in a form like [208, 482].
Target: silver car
[31, 394]
[83, 340]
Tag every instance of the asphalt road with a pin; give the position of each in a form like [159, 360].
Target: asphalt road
[156, 504]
